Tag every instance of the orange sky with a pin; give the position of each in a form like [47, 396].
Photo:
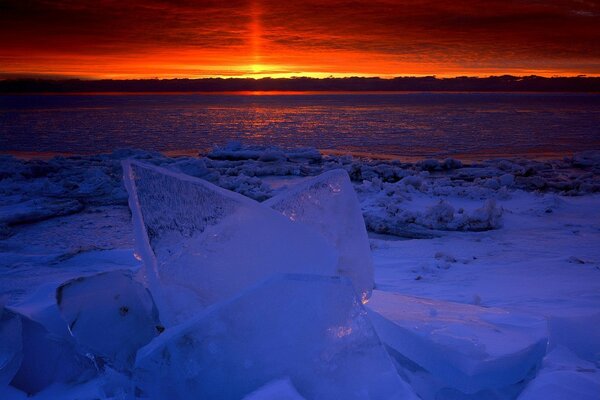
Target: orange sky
[165, 39]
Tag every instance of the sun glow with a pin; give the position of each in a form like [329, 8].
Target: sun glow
[267, 38]
[255, 36]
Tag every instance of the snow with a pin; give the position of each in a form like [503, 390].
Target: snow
[466, 347]
[328, 204]
[564, 376]
[310, 328]
[515, 235]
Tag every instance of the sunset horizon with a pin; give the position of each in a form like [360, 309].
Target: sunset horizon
[262, 38]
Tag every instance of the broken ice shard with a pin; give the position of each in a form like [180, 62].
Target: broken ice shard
[201, 244]
[110, 315]
[310, 328]
[467, 347]
[48, 359]
[328, 204]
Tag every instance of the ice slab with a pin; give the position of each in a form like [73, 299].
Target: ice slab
[11, 345]
[110, 315]
[48, 359]
[466, 347]
[201, 244]
[328, 204]
[282, 389]
[310, 328]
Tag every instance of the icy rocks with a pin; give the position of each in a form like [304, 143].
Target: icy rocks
[201, 244]
[309, 328]
[110, 316]
[586, 159]
[11, 345]
[467, 348]
[442, 216]
[328, 204]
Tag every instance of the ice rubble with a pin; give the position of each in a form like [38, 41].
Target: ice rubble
[201, 244]
[328, 204]
[235, 151]
[464, 347]
[110, 316]
[384, 186]
[312, 329]
[37, 210]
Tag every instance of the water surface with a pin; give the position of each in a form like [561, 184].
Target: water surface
[403, 124]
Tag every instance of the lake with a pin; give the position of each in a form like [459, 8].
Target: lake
[415, 125]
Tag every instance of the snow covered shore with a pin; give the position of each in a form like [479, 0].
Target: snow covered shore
[518, 235]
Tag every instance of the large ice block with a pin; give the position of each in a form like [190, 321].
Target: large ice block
[110, 315]
[328, 204]
[201, 244]
[11, 345]
[310, 328]
[466, 347]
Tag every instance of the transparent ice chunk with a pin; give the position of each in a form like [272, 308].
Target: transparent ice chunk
[201, 244]
[110, 315]
[312, 329]
[328, 204]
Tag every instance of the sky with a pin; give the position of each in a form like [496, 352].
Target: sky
[283, 38]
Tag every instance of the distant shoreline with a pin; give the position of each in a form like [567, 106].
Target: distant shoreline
[293, 93]
[494, 84]
[477, 157]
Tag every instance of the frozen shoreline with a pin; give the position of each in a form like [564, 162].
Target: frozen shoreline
[382, 185]
[518, 234]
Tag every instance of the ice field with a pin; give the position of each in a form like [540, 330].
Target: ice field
[262, 273]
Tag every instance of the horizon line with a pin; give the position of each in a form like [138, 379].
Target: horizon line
[293, 77]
